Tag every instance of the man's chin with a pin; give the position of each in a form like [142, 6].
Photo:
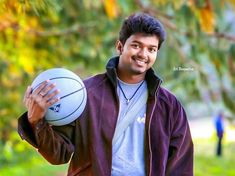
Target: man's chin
[139, 71]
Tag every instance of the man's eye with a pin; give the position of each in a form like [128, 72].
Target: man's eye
[152, 50]
[135, 46]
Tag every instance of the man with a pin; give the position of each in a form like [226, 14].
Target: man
[156, 143]
[219, 126]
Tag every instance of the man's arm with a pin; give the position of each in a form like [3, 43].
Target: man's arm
[53, 143]
[180, 157]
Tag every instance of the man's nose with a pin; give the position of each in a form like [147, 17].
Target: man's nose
[142, 53]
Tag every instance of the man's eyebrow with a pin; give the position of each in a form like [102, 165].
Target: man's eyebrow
[136, 41]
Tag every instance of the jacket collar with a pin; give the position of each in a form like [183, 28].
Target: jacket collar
[153, 81]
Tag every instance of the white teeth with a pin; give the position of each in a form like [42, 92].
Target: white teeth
[140, 62]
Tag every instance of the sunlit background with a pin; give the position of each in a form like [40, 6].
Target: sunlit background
[196, 63]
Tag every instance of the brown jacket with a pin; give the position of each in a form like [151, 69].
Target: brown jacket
[87, 142]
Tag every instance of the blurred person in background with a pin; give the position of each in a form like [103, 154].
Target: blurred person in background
[219, 126]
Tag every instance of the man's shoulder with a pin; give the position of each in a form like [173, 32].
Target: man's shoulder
[95, 80]
[168, 97]
[171, 103]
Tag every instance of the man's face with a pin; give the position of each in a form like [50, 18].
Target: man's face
[138, 53]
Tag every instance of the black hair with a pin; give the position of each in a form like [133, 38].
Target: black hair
[142, 23]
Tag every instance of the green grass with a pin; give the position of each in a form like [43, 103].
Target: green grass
[36, 166]
[205, 163]
[208, 164]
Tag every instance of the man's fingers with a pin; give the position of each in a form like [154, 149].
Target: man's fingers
[41, 87]
[42, 97]
[45, 91]
[52, 101]
[51, 95]
[27, 93]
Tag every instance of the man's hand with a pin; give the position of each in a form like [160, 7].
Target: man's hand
[38, 101]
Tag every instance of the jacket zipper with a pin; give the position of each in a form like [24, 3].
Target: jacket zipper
[150, 150]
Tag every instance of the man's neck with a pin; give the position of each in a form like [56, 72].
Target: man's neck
[131, 79]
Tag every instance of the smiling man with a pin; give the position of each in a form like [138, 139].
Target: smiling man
[137, 54]
[131, 125]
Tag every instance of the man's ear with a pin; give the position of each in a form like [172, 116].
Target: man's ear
[119, 47]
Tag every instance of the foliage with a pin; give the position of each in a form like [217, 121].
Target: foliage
[80, 34]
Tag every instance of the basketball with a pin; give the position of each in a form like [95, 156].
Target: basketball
[73, 95]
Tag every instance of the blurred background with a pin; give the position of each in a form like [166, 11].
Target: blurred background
[196, 62]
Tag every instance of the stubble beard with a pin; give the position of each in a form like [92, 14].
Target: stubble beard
[136, 68]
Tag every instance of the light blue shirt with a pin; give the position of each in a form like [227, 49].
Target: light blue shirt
[128, 151]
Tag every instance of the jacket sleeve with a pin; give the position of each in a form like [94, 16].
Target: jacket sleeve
[180, 157]
[53, 143]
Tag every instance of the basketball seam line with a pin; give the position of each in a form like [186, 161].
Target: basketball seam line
[70, 113]
[56, 78]
[71, 93]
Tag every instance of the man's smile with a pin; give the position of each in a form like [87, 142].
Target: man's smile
[140, 61]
